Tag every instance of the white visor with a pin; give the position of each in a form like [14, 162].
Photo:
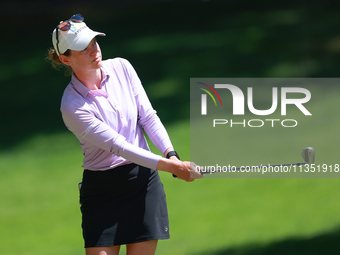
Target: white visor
[77, 38]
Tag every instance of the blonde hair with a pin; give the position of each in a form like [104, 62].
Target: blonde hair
[53, 58]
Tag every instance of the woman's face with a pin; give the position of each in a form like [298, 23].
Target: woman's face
[85, 60]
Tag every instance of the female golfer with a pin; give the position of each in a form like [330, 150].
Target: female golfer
[106, 107]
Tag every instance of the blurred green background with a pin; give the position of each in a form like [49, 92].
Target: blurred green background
[168, 42]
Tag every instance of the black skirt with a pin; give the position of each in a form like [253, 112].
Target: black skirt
[123, 205]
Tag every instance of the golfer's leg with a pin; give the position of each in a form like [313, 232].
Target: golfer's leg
[112, 250]
[142, 248]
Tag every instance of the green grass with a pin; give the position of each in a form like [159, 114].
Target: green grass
[38, 186]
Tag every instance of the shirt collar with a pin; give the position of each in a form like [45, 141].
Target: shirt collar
[78, 86]
[82, 89]
[105, 74]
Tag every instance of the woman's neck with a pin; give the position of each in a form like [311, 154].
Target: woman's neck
[91, 79]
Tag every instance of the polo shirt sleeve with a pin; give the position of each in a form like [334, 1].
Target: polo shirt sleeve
[86, 126]
[147, 116]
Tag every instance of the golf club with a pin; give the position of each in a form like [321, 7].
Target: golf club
[308, 155]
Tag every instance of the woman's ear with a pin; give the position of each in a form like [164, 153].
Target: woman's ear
[65, 60]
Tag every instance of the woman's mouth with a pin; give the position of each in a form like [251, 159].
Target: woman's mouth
[97, 59]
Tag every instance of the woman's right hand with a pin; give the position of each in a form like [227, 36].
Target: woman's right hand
[184, 170]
